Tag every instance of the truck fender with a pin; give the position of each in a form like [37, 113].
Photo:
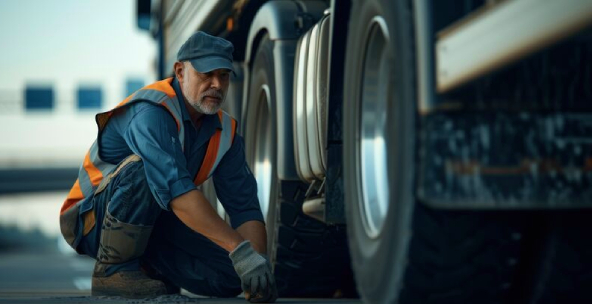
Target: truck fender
[284, 22]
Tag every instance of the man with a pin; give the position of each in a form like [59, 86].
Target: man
[135, 207]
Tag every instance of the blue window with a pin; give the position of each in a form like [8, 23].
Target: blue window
[39, 98]
[90, 98]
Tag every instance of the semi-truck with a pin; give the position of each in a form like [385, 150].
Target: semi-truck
[411, 151]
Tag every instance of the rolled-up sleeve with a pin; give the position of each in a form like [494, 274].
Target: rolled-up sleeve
[152, 134]
[236, 186]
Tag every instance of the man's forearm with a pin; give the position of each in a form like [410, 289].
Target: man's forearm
[254, 231]
[194, 210]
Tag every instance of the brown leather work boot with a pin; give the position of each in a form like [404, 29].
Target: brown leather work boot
[127, 284]
[120, 243]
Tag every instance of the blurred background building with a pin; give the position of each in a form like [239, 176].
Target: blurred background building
[61, 62]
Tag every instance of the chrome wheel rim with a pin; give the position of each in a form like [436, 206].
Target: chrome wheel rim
[372, 145]
[263, 161]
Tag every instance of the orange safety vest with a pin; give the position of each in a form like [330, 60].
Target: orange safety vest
[93, 169]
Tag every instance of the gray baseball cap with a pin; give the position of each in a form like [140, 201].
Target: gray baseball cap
[207, 53]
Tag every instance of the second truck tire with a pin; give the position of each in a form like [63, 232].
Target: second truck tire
[310, 259]
[403, 251]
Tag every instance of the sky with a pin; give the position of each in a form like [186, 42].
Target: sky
[70, 41]
[64, 43]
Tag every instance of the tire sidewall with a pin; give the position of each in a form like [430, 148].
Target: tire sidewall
[263, 73]
[379, 262]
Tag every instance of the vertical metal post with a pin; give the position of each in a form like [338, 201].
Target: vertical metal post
[161, 60]
[424, 42]
[160, 38]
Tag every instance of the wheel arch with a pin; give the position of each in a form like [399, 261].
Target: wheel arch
[279, 20]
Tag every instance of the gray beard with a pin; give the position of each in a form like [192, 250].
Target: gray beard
[198, 104]
[199, 107]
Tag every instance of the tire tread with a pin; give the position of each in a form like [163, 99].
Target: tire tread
[312, 259]
[565, 268]
[460, 257]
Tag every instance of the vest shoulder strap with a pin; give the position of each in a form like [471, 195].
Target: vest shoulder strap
[160, 93]
[93, 169]
[219, 144]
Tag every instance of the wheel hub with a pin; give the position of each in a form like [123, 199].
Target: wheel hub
[263, 161]
[373, 127]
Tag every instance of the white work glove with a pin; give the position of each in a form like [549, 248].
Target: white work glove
[254, 270]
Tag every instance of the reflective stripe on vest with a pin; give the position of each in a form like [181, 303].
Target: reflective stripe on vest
[93, 169]
[213, 155]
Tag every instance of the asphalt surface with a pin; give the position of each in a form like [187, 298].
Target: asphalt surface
[37, 266]
[33, 274]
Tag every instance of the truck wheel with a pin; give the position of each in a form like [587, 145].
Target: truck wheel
[403, 251]
[309, 258]
[564, 270]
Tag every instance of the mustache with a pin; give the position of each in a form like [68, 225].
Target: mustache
[212, 93]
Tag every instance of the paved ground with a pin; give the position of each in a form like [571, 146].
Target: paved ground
[26, 272]
[77, 298]
[32, 274]
[37, 266]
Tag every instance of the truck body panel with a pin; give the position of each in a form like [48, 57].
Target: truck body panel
[494, 37]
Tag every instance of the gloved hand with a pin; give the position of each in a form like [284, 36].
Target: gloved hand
[254, 270]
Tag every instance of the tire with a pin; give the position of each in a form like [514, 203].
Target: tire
[309, 258]
[403, 251]
[564, 269]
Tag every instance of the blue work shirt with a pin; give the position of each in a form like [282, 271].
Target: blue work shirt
[149, 131]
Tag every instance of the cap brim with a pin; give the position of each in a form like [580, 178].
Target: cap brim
[208, 64]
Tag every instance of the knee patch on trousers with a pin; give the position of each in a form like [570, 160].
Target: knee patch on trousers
[121, 242]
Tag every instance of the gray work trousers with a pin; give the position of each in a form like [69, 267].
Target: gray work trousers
[182, 256]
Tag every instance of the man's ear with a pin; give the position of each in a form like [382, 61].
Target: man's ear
[178, 69]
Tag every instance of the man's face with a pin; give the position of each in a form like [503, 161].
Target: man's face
[204, 92]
